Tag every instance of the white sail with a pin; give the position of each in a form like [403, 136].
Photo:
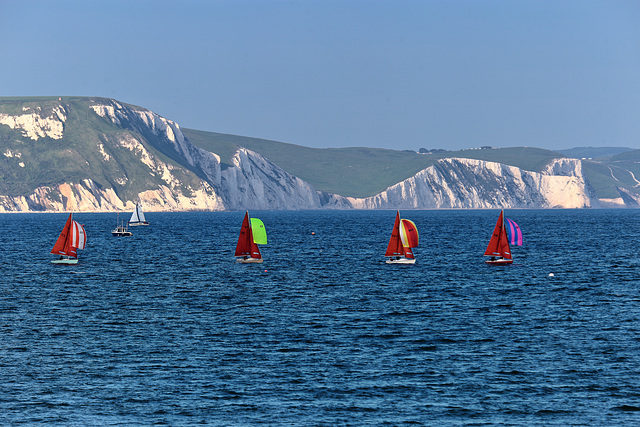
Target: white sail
[134, 215]
[79, 235]
[140, 214]
[137, 217]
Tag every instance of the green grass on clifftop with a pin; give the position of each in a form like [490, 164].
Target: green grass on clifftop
[357, 172]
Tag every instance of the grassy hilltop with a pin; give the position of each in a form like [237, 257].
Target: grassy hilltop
[357, 171]
[354, 171]
[79, 155]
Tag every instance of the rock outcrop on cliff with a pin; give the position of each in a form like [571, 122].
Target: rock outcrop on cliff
[98, 154]
[147, 157]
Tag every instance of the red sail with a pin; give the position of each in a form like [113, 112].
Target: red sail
[246, 246]
[395, 248]
[72, 237]
[408, 253]
[243, 248]
[255, 252]
[62, 245]
[499, 243]
[408, 233]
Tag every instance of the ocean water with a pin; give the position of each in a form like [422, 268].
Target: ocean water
[165, 328]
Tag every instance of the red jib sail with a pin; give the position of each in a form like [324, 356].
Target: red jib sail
[246, 247]
[499, 243]
[71, 238]
[404, 236]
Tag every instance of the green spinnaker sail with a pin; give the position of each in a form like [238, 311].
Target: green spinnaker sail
[258, 231]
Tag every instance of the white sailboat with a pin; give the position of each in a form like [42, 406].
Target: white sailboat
[137, 217]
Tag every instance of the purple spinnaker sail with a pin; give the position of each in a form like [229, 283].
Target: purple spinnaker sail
[514, 233]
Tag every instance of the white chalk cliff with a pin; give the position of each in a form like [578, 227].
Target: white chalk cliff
[37, 124]
[251, 183]
[193, 178]
[467, 183]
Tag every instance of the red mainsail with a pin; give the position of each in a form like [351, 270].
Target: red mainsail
[395, 248]
[246, 247]
[499, 243]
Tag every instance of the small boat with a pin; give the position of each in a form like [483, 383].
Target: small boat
[137, 217]
[403, 237]
[121, 230]
[252, 234]
[71, 238]
[498, 248]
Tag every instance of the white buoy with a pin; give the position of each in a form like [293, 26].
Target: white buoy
[550, 274]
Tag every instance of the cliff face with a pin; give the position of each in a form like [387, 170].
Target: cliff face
[118, 154]
[466, 183]
[177, 174]
[255, 183]
[35, 122]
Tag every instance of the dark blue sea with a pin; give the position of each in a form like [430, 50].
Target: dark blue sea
[164, 328]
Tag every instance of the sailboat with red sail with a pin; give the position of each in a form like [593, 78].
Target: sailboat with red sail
[499, 249]
[403, 237]
[72, 237]
[252, 234]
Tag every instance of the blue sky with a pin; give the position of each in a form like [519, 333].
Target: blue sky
[397, 74]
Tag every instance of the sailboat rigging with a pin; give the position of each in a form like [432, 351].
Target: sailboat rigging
[252, 234]
[498, 248]
[71, 238]
[137, 217]
[403, 237]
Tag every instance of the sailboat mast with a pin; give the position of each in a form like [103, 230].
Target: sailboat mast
[506, 249]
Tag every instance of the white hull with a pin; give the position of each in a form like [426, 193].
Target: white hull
[121, 231]
[500, 261]
[249, 260]
[65, 261]
[133, 224]
[401, 261]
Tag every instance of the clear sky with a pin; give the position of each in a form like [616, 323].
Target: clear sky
[398, 74]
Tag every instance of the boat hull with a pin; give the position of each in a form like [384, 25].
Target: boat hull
[401, 261]
[249, 260]
[65, 261]
[499, 262]
[133, 224]
[121, 232]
